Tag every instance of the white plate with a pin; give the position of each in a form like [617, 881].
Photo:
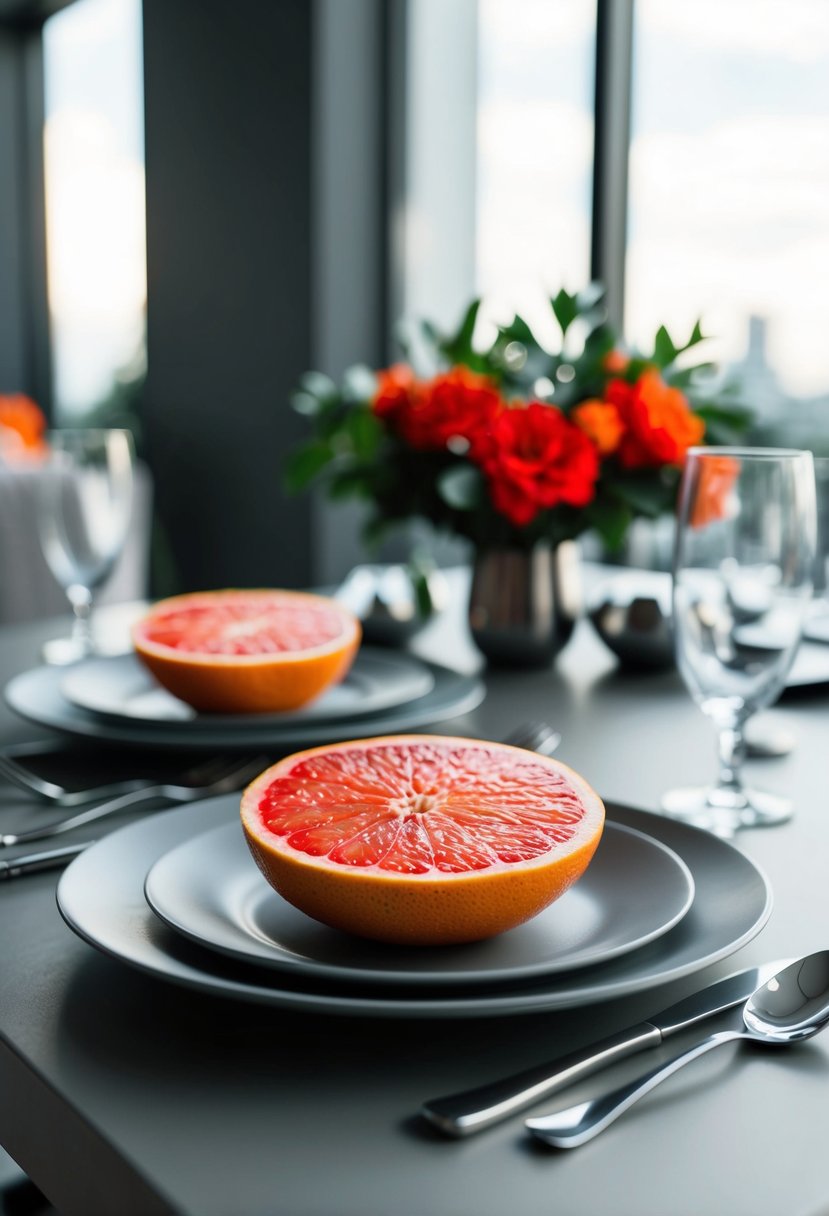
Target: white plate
[36, 695]
[101, 897]
[124, 689]
[210, 890]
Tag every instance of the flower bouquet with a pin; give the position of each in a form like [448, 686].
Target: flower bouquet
[511, 444]
[507, 443]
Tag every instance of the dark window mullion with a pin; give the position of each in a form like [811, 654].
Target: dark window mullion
[614, 52]
[25, 362]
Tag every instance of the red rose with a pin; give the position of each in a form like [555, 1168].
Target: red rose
[659, 425]
[537, 460]
[395, 390]
[457, 404]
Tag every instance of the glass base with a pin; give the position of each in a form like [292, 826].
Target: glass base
[59, 652]
[724, 811]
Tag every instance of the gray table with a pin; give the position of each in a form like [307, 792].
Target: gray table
[124, 1094]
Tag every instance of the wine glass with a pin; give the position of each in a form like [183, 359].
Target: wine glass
[742, 580]
[84, 506]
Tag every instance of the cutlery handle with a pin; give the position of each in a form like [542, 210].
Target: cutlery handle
[472, 1111]
[50, 859]
[133, 798]
[577, 1124]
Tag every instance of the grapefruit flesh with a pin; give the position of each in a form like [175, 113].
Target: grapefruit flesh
[247, 651]
[421, 839]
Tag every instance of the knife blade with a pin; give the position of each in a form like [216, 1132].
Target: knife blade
[49, 859]
[473, 1110]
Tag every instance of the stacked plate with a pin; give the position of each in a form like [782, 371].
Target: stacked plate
[178, 896]
[116, 700]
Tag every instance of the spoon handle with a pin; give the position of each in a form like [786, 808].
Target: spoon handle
[577, 1124]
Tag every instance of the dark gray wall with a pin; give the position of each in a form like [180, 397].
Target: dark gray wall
[25, 364]
[228, 162]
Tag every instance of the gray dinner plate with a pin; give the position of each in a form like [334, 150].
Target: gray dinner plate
[36, 695]
[122, 688]
[101, 897]
[211, 890]
[810, 667]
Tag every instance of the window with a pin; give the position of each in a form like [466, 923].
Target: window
[93, 149]
[728, 181]
[535, 153]
[729, 195]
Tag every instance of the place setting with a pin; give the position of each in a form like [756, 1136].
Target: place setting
[181, 895]
[120, 699]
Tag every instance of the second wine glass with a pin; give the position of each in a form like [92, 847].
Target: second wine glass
[742, 580]
[84, 508]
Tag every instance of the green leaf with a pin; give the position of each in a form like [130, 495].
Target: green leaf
[696, 337]
[461, 487]
[518, 331]
[350, 483]
[306, 404]
[687, 376]
[646, 494]
[590, 297]
[359, 384]
[565, 309]
[611, 520]
[375, 530]
[320, 386]
[364, 432]
[304, 465]
[664, 350]
[598, 343]
[724, 424]
[458, 348]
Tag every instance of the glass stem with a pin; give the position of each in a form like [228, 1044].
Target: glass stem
[81, 600]
[731, 750]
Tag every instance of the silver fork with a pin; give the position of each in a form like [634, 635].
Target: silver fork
[535, 737]
[224, 777]
[23, 777]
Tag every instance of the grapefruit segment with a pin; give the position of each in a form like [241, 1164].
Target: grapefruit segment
[421, 840]
[247, 651]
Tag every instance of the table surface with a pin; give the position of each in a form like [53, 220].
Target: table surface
[123, 1093]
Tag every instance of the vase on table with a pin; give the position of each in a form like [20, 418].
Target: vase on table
[523, 604]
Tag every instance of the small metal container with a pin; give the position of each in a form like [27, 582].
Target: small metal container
[393, 602]
[631, 612]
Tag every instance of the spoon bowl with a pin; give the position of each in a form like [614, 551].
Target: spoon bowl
[793, 1005]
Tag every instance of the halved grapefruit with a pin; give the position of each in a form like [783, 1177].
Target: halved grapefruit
[247, 651]
[421, 839]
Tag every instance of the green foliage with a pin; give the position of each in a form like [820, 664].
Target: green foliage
[352, 453]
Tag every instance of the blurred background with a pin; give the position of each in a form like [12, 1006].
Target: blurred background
[201, 199]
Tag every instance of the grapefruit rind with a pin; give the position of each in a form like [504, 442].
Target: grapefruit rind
[247, 683]
[421, 909]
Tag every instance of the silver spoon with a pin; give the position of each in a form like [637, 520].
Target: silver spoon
[792, 1005]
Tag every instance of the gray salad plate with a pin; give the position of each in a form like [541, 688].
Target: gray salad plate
[210, 890]
[101, 897]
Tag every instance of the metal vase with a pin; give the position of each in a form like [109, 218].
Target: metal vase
[523, 605]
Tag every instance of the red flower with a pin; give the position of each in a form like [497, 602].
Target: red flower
[22, 428]
[658, 421]
[456, 405]
[537, 460]
[395, 390]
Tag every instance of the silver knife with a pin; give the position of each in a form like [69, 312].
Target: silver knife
[48, 859]
[472, 1111]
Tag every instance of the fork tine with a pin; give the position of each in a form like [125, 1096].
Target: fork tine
[224, 768]
[535, 737]
[32, 784]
